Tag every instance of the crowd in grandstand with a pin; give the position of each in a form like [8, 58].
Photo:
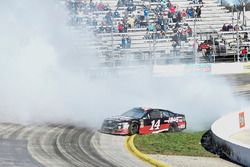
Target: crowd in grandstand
[230, 27]
[159, 19]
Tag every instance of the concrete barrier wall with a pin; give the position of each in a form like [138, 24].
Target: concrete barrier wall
[216, 69]
[225, 127]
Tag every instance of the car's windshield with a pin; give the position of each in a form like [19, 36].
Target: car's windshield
[134, 113]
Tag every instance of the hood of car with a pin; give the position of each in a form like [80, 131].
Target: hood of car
[119, 118]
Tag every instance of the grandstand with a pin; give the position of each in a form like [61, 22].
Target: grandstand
[134, 32]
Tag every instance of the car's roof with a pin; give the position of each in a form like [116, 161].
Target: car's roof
[147, 109]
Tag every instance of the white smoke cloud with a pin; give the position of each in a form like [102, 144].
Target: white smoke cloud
[43, 80]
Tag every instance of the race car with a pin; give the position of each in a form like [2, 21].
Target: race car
[144, 121]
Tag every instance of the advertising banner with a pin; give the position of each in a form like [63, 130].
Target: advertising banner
[242, 119]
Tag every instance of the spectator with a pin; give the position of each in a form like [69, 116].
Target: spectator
[163, 3]
[157, 27]
[244, 54]
[165, 28]
[190, 12]
[174, 45]
[125, 27]
[245, 37]
[176, 38]
[120, 27]
[108, 17]
[170, 17]
[116, 14]
[195, 1]
[147, 35]
[209, 53]
[177, 25]
[230, 27]
[189, 31]
[224, 27]
[123, 42]
[236, 27]
[178, 16]
[198, 11]
[101, 29]
[100, 6]
[146, 13]
[131, 22]
[137, 23]
[128, 39]
[183, 14]
[183, 36]
[162, 34]
[172, 9]
[169, 4]
[151, 27]
[121, 3]
[107, 7]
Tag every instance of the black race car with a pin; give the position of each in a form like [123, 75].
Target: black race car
[144, 121]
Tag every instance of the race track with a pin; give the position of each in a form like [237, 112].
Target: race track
[61, 145]
[58, 145]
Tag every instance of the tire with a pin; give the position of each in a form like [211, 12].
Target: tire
[133, 128]
[173, 128]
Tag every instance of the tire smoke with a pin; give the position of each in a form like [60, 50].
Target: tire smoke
[43, 79]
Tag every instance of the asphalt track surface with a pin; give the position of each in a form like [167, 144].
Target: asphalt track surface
[57, 146]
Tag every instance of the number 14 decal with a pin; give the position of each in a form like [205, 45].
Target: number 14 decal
[155, 125]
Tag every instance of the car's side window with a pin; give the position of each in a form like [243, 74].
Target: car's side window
[165, 114]
[171, 114]
[155, 114]
[146, 116]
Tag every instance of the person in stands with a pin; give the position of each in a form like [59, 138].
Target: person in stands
[245, 37]
[120, 27]
[190, 12]
[116, 14]
[189, 31]
[224, 28]
[244, 54]
[230, 27]
[123, 42]
[147, 35]
[128, 39]
[236, 27]
[145, 13]
[183, 14]
[170, 17]
[198, 11]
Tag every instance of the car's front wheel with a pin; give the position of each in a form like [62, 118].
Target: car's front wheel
[133, 128]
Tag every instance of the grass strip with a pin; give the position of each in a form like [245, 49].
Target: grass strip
[182, 143]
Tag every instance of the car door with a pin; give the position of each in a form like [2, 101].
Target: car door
[167, 118]
[152, 122]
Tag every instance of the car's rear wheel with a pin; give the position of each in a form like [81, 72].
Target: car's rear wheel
[133, 128]
[173, 128]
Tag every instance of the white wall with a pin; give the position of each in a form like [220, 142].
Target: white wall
[226, 126]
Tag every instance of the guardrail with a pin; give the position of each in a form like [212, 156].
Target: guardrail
[227, 126]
